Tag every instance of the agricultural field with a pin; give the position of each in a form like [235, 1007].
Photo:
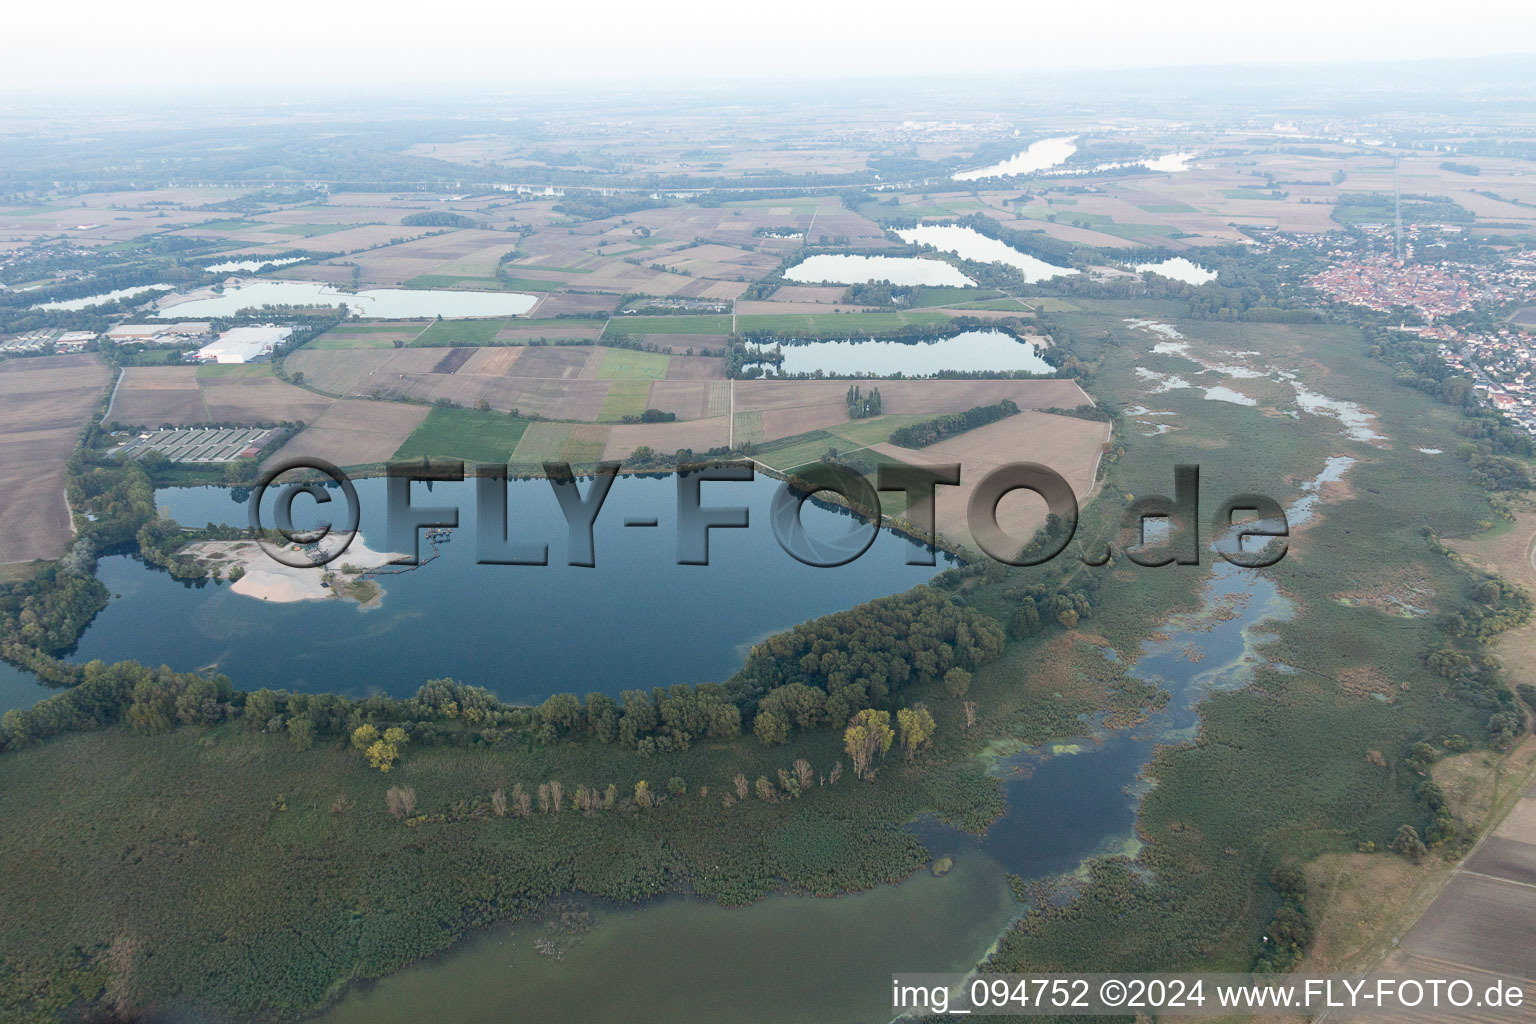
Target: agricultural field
[464, 434]
[44, 405]
[1070, 446]
[248, 395]
[355, 433]
[370, 335]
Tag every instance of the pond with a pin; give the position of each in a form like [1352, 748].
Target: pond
[1040, 155]
[1179, 269]
[967, 351]
[970, 244]
[74, 305]
[20, 689]
[524, 632]
[899, 270]
[378, 303]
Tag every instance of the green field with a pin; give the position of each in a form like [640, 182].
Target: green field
[461, 333]
[363, 336]
[466, 434]
[704, 323]
[875, 430]
[625, 398]
[629, 364]
[542, 442]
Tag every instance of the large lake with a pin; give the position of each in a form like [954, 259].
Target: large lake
[968, 351]
[970, 244]
[74, 305]
[793, 958]
[379, 303]
[636, 620]
[899, 270]
[1041, 155]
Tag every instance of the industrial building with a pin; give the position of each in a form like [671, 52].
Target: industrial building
[244, 345]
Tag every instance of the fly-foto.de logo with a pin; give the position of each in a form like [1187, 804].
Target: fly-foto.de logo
[1252, 527]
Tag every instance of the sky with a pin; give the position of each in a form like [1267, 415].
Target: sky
[81, 47]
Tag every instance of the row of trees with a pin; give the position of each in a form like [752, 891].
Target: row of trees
[921, 435]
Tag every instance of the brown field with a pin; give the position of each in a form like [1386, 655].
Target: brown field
[254, 400]
[1066, 444]
[148, 396]
[792, 293]
[564, 362]
[567, 303]
[494, 362]
[551, 330]
[356, 433]
[699, 435]
[44, 404]
[793, 407]
[683, 342]
[344, 371]
[691, 399]
[696, 368]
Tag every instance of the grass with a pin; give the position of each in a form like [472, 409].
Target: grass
[460, 333]
[466, 434]
[704, 323]
[213, 371]
[1250, 193]
[625, 398]
[628, 364]
[876, 430]
[542, 442]
[786, 453]
[341, 338]
[935, 295]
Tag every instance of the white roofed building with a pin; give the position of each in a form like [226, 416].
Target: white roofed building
[244, 345]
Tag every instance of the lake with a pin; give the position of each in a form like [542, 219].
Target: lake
[968, 351]
[970, 244]
[1041, 155]
[232, 266]
[524, 632]
[899, 270]
[378, 303]
[1179, 269]
[102, 299]
[793, 958]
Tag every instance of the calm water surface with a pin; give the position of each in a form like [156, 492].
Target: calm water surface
[791, 958]
[1041, 155]
[380, 303]
[1179, 269]
[971, 350]
[970, 244]
[636, 620]
[899, 270]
